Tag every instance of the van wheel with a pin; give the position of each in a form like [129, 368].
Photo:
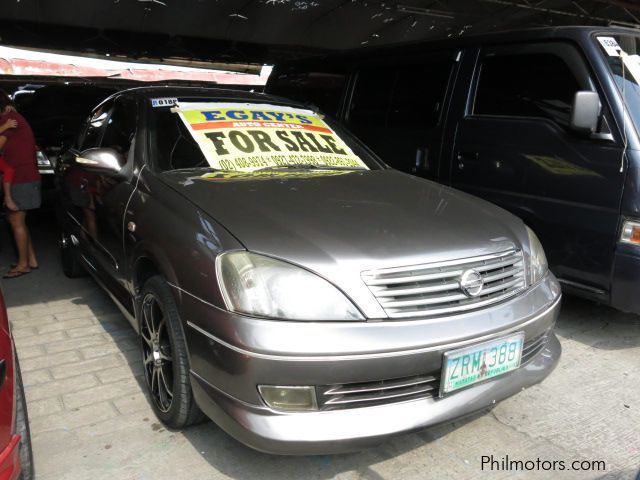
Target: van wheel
[164, 357]
[71, 265]
[22, 428]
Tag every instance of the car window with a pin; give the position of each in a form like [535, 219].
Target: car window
[94, 127]
[175, 147]
[526, 85]
[251, 137]
[324, 90]
[120, 126]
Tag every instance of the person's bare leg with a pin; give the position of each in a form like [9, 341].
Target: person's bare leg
[8, 199]
[21, 235]
[31, 253]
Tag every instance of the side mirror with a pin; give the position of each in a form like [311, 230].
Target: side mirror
[103, 161]
[585, 113]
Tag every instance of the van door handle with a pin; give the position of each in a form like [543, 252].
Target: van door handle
[465, 157]
[422, 161]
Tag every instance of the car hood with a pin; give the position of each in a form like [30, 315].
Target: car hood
[339, 224]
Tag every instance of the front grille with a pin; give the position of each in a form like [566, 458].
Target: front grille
[533, 347]
[434, 289]
[364, 394]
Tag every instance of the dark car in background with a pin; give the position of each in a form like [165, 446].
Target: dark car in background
[56, 112]
[544, 123]
[291, 286]
[16, 458]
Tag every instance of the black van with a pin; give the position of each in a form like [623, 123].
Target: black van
[542, 122]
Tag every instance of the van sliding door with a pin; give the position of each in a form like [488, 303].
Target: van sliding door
[514, 147]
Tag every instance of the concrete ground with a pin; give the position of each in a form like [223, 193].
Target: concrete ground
[90, 419]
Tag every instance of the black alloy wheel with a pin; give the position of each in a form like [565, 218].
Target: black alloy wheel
[164, 356]
[156, 353]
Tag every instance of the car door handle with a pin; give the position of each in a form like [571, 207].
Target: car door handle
[422, 161]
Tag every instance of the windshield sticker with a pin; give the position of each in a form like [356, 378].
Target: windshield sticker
[224, 176]
[610, 46]
[163, 102]
[249, 137]
[558, 166]
[632, 64]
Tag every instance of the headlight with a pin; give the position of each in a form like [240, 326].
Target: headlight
[630, 232]
[537, 260]
[42, 159]
[265, 287]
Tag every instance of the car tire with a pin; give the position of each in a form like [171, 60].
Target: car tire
[71, 265]
[164, 357]
[22, 428]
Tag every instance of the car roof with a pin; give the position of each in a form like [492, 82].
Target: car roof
[575, 33]
[535, 33]
[223, 94]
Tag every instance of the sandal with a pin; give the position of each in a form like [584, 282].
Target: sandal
[15, 273]
[14, 265]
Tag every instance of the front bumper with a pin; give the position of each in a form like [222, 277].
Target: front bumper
[354, 429]
[227, 367]
[625, 290]
[10, 460]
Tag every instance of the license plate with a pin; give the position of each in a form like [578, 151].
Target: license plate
[479, 362]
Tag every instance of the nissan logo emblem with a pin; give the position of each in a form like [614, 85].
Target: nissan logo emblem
[471, 283]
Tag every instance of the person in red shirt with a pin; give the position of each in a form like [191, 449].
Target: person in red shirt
[19, 151]
[5, 169]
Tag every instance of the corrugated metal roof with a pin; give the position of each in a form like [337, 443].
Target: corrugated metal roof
[267, 30]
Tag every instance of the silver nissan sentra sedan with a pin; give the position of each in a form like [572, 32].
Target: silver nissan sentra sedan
[288, 284]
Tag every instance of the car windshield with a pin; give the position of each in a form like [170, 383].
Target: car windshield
[250, 138]
[622, 53]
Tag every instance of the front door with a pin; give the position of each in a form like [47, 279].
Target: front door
[109, 199]
[514, 147]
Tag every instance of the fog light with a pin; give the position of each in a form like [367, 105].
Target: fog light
[290, 399]
[630, 232]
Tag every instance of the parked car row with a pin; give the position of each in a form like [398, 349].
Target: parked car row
[543, 123]
[288, 284]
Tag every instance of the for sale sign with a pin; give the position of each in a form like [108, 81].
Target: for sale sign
[248, 137]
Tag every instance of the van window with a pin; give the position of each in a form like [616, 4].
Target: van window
[419, 94]
[397, 111]
[402, 97]
[324, 90]
[527, 85]
[372, 98]
[628, 83]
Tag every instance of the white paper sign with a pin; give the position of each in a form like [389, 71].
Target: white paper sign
[610, 45]
[632, 64]
[246, 137]
[163, 102]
